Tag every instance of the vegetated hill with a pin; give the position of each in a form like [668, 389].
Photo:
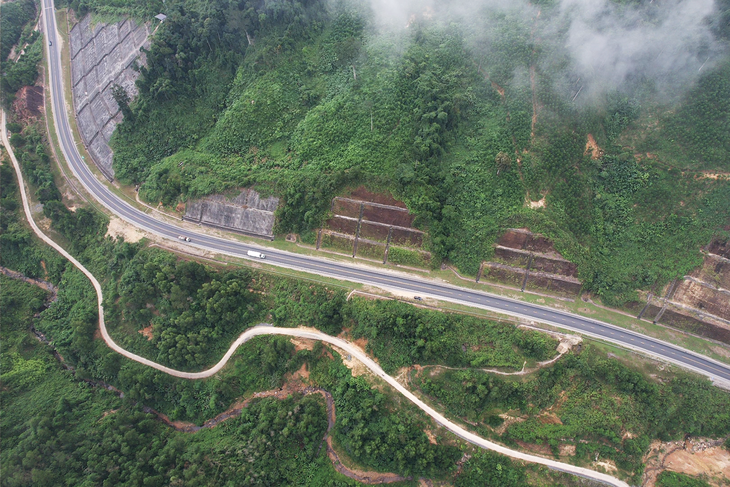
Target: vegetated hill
[464, 115]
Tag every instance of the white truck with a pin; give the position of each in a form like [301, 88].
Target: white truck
[258, 255]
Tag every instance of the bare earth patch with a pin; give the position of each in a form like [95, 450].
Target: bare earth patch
[607, 465]
[695, 456]
[592, 148]
[147, 332]
[302, 344]
[119, 228]
[567, 450]
[713, 175]
[713, 462]
[537, 204]
[301, 374]
[362, 343]
[431, 437]
[402, 376]
[543, 450]
[499, 89]
[352, 363]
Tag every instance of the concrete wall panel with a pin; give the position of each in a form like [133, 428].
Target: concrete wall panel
[101, 57]
[246, 213]
[86, 123]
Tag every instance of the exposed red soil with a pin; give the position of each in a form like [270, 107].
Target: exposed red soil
[147, 332]
[342, 225]
[373, 232]
[696, 457]
[390, 216]
[549, 418]
[511, 256]
[346, 208]
[302, 373]
[431, 437]
[530, 447]
[522, 239]
[560, 285]
[362, 343]
[302, 344]
[361, 193]
[516, 245]
[553, 266]
[514, 239]
[381, 215]
[499, 89]
[683, 320]
[592, 148]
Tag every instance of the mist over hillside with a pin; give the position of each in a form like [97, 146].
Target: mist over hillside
[600, 45]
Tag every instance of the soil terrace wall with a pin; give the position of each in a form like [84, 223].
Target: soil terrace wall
[529, 261]
[700, 302]
[102, 55]
[703, 298]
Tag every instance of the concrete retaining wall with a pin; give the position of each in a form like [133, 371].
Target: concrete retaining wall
[102, 56]
[247, 213]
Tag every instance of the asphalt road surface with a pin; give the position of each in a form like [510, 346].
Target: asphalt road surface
[717, 371]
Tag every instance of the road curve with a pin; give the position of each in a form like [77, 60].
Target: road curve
[718, 372]
[299, 333]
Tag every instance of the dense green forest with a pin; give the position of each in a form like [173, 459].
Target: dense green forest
[16, 31]
[60, 430]
[464, 117]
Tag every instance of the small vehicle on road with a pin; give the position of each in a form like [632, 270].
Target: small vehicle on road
[184, 239]
[50, 43]
[258, 255]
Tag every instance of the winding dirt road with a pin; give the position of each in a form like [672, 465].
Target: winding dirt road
[299, 333]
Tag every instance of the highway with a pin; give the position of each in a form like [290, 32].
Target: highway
[718, 372]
